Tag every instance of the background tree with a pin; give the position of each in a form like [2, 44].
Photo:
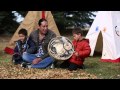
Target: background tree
[73, 18]
[7, 22]
[63, 19]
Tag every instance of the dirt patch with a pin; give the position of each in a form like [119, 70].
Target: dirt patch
[10, 71]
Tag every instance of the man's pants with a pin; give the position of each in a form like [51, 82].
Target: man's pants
[42, 64]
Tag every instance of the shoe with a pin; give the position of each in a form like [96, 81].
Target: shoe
[26, 65]
[15, 62]
[51, 66]
[82, 67]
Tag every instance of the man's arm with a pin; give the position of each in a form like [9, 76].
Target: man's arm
[32, 47]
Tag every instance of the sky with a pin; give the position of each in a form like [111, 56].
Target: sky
[18, 18]
[95, 13]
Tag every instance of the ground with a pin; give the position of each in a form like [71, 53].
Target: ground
[94, 68]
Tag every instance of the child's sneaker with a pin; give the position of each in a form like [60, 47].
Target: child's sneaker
[51, 66]
[26, 65]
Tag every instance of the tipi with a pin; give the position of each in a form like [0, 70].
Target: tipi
[31, 23]
[104, 35]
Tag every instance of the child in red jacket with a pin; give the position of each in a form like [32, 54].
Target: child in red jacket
[82, 50]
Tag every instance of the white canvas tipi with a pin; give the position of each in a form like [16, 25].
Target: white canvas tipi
[104, 35]
[30, 23]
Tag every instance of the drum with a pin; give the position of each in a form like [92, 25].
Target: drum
[60, 48]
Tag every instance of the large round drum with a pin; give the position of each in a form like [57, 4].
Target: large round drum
[60, 48]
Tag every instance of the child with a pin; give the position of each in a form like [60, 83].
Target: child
[82, 50]
[22, 45]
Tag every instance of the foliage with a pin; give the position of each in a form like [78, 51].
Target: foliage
[63, 19]
[73, 18]
[7, 24]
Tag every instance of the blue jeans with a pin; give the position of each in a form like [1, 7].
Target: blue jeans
[42, 64]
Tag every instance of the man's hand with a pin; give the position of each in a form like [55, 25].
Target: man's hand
[36, 61]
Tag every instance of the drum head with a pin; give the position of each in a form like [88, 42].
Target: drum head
[60, 48]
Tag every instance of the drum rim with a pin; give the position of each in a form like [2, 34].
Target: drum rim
[61, 58]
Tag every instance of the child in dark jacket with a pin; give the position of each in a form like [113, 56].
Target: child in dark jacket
[22, 45]
[82, 50]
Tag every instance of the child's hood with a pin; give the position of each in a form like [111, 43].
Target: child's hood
[85, 40]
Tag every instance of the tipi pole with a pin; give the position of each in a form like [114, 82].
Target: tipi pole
[43, 14]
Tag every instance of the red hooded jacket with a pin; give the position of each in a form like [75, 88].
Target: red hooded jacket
[84, 50]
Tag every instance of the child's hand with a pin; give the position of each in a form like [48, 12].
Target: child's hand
[76, 54]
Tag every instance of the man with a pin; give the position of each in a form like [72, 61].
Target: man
[41, 38]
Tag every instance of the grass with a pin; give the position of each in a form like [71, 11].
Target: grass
[103, 70]
[94, 69]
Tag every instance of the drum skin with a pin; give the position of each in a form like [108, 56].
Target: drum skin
[60, 48]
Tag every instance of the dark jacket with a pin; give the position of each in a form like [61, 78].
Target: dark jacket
[34, 36]
[27, 45]
[83, 48]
